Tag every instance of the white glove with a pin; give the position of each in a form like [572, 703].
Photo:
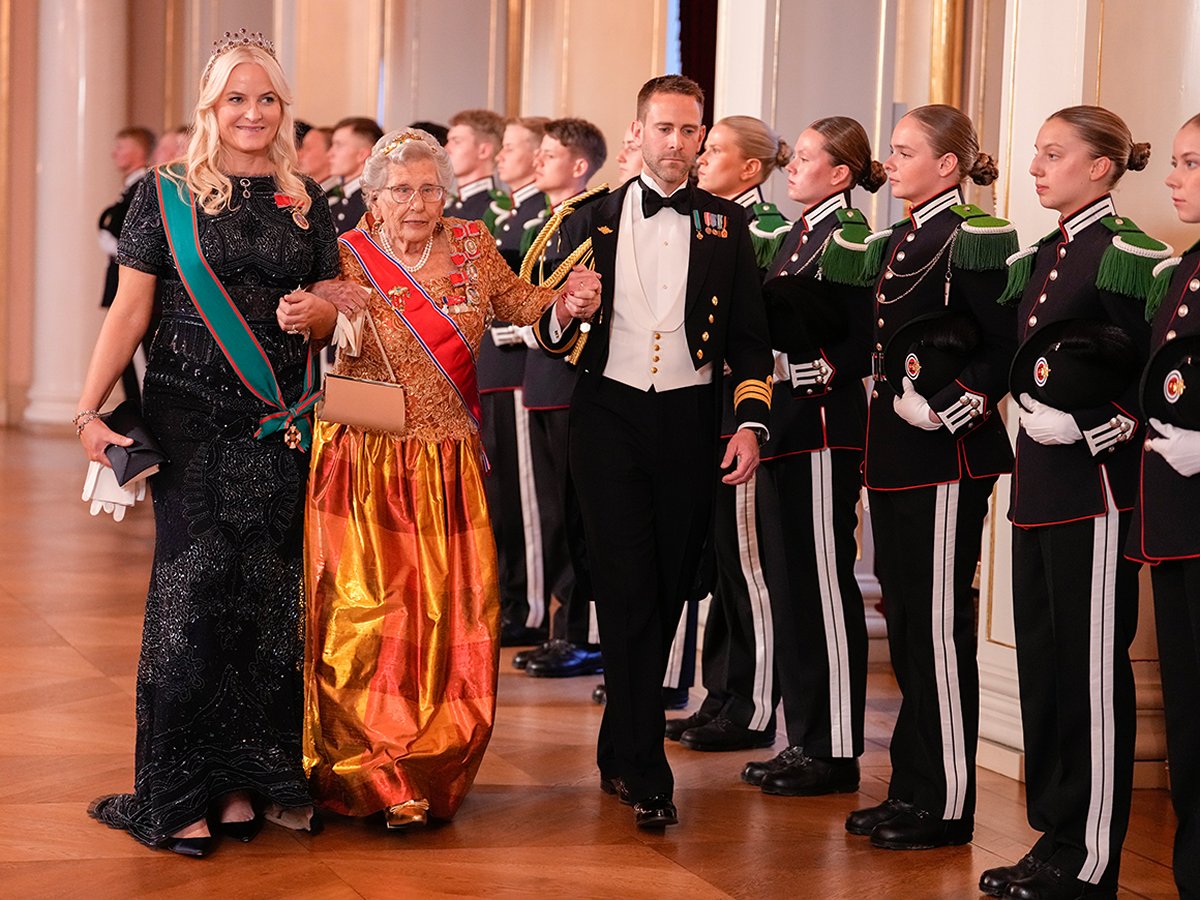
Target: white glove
[914, 409]
[506, 335]
[1048, 426]
[101, 488]
[528, 336]
[1180, 447]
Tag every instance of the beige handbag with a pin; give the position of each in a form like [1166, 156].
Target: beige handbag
[363, 403]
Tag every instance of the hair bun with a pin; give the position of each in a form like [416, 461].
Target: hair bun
[985, 170]
[1139, 155]
[783, 155]
[874, 177]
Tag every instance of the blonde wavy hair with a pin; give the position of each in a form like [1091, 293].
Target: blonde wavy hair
[205, 154]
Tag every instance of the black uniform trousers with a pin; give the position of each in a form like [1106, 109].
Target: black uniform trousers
[643, 465]
[927, 542]
[737, 658]
[1075, 604]
[808, 505]
[513, 507]
[1177, 619]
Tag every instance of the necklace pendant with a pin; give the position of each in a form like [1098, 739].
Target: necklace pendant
[300, 220]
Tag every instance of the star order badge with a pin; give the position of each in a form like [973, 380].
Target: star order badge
[291, 437]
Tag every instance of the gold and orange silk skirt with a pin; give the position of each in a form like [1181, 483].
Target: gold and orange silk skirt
[403, 621]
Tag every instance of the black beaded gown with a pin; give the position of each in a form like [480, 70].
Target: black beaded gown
[219, 689]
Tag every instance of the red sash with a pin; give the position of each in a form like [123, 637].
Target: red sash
[434, 329]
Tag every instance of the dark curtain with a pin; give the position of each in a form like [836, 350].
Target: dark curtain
[698, 46]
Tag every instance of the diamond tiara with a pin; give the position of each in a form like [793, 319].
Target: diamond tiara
[239, 38]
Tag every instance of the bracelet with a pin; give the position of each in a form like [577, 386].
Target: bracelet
[83, 419]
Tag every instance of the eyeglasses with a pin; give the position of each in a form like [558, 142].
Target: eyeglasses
[403, 193]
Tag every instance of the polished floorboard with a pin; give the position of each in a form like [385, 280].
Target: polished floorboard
[71, 595]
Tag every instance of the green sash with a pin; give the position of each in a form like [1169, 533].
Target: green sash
[225, 321]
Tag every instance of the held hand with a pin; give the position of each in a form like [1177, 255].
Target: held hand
[347, 296]
[1180, 447]
[1048, 426]
[743, 447]
[302, 312]
[914, 409]
[581, 293]
[96, 436]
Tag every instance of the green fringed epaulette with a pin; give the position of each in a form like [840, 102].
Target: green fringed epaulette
[876, 242]
[1127, 267]
[845, 256]
[1158, 289]
[984, 242]
[1020, 268]
[768, 228]
[501, 205]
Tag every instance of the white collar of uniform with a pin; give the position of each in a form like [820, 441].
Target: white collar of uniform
[649, 184]
[352, 186]
[1089, 215]
[936, 205]
[521, 194]
[135, 176]
[749, 198]
[478, 186]
[330, 183]
[824, 208]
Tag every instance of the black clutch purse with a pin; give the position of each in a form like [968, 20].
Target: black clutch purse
[142, 458]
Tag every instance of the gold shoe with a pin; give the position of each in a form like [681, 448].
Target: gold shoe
[408, 815]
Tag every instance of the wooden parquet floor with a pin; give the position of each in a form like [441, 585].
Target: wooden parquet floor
[71, 594]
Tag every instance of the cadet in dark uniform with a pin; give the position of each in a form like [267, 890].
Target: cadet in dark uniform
[472, 144]
[349, 148]
[931, 463]
[1166, 531]
[512, 493]
[738, 712]
[1074, 596]
[811, 478]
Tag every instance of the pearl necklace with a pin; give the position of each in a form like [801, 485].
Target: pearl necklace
[387, 245]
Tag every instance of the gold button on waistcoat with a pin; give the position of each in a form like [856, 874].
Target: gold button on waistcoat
[704, 337]
[699, 354]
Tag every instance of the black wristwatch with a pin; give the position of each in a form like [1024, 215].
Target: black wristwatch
[759, 432]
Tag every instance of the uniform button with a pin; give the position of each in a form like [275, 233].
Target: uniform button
[1170, 335]
[657, 336]
[803, 240]
[714, 301]
[1054, 274]
[656, 347]
[1194, 285]
[711, 319]
[911, 236]
[341, 216]
[704, 337]
[1183, 310]
[1062, 252]
[699, 354]
[1033, 320]
[879, 346]
[1120, 221]
[653, 370]
[1042, 299]
[874, 395]
[889, 274]
[880, 297]
[809, 391]
[654, 358]
[900, 255]
[795, 257]
[506, 227]
[880, 323]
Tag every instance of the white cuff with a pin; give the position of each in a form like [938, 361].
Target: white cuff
[555, 331]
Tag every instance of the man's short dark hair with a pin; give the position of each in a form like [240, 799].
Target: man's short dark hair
[437, 129]
[668, 84]
[368, 129]
[582, 138]
[142, 135]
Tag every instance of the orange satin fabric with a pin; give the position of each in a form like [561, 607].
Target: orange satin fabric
[403, 621]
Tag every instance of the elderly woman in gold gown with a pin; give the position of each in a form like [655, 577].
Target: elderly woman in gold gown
[400, 563]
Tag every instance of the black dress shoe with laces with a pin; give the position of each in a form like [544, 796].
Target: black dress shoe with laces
[655, 812]
[994, 882]
[863, 821]
[676, 727]
[755, 772]
[521, 658]
[812, 777]
[919, 829]
[722, 734]
[1049, 883]
[616, 787]
[195, 846]
[562, 659]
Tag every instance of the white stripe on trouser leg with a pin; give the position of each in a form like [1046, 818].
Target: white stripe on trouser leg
[760, 603]
[674, 674]
[535, 579]
[841, 727]
[945, 657]
[1097, 836]
[593, 625]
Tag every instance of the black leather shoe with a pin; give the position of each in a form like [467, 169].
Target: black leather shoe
[721, 734]
[674, 698]
[600, 694]
[655, 812]
[676, 727]
[514, 635]
[562, 659]
[242, 831]
[812, 777]
[196, 846]
[755, 772]
[863, 821]
[1049, 883]
[616, 787]
[522, 657]
[919, 829]
[994, 882]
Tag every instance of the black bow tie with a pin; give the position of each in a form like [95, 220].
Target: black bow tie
[653, 201]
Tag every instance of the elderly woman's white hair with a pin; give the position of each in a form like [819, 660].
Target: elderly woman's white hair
[401, 148]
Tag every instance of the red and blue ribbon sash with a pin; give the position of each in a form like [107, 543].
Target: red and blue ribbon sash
[436, 332]
[225, 321]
